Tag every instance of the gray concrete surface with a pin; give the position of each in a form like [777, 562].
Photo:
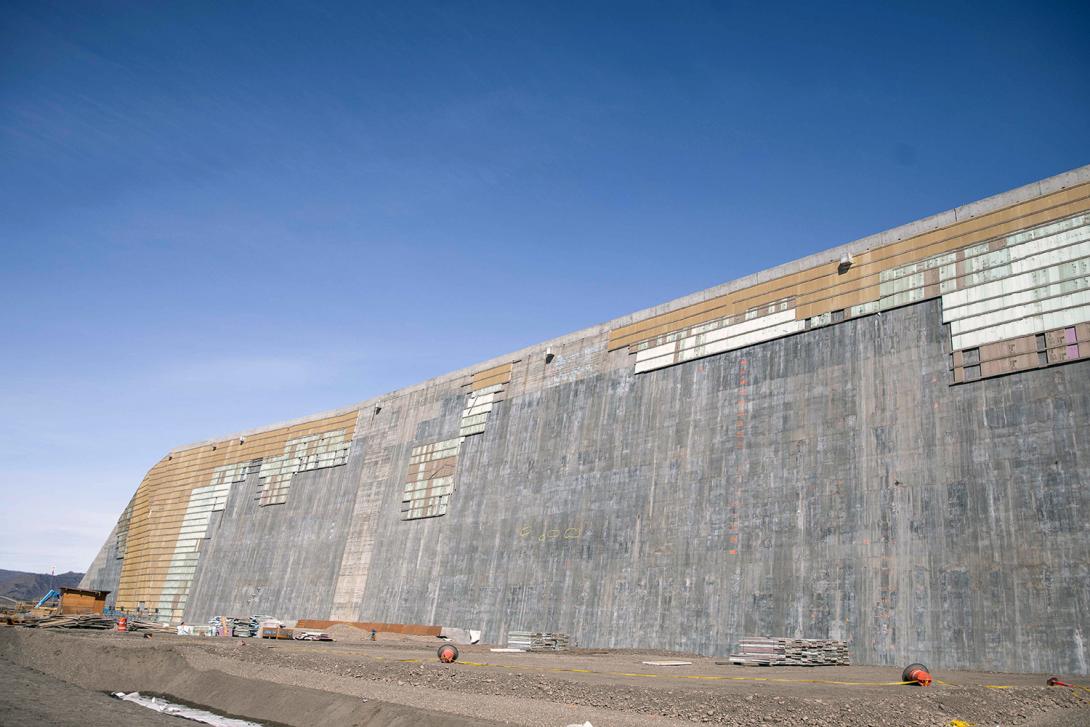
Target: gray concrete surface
[831, 483]
[276, 560]
[858, 497]
[865, 499]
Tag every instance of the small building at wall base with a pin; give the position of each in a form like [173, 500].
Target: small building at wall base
[76, 601]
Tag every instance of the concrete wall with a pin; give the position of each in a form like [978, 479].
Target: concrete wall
[276, 560]
[832, 494]
[851, 476]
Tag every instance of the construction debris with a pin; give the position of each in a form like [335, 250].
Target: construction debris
[667, 663]
[93, 621]
[87, 621]
[311, 636]
[460, 636]
[240, 626]
[783, 651]
[537, 641]
[178, 710]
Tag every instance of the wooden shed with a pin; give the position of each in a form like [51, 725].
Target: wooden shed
[76, 601]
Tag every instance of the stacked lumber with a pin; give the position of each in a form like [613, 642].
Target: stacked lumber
[137, 625]
[83, 621]
[783, 651]
[95, 621]
[537, 641]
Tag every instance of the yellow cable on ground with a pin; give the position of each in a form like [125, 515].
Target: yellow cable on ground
[712, 677]
[704, 677]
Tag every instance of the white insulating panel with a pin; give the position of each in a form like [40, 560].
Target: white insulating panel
[477, 407]
[864, 309]
[312, 452]
[1038, 279]
[1023, 327]
[739, 335]
[937, 261]
[203, 501]
[1017, 291]
[1006, 312]
[980, 264]
[651, 353]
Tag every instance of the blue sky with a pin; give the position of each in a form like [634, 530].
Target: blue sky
[215, 216]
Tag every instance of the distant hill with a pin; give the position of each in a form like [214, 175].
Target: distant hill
[32, 586]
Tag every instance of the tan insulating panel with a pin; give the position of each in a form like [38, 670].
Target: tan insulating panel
[1055, 338]
[1004, 349]
[1023, 353]
[822, 292]
[1008, 365]
[160, 502]
[489, 377]
[822, 288]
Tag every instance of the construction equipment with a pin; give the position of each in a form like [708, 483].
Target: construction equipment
[53, 593]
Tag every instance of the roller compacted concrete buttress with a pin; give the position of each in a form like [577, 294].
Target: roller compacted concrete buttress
[830, 448]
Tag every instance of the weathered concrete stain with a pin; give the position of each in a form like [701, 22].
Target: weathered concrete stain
[831, 483]
[867, 500]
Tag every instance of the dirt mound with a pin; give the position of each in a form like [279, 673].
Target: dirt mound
[348, 634]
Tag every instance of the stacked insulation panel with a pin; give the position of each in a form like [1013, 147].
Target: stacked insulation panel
[538, 641]
[783, 651]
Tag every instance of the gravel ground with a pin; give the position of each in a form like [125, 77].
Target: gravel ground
[608, 689]
[29, 697]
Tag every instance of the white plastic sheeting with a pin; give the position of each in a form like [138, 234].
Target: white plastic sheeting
[460, 636]
[191, 713]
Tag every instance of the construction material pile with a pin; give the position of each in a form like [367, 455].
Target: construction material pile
[537, 641]
[240, 626]
[94, 621]
[83, 621]
[783, 651]
[311, 636]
